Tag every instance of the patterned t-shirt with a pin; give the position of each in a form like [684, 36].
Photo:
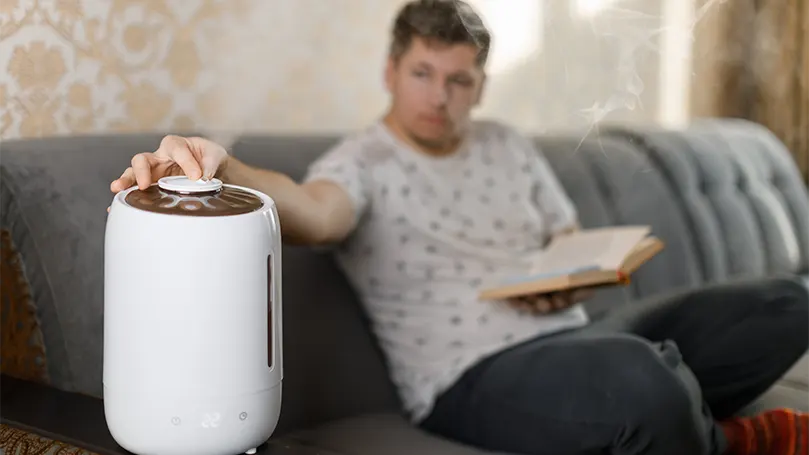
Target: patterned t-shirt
[430, 232]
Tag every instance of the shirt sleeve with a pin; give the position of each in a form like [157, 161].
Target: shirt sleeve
[343, 165]
[550, 196]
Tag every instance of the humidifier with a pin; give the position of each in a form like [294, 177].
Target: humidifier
[192, 318]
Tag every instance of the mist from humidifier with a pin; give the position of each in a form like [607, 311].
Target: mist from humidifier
[633, 36]
[248, 56]
[245, 68]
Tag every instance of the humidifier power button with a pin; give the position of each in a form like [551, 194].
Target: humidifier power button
[175, 421]
[243, 416]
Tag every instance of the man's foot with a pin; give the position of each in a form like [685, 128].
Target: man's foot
[779, 432]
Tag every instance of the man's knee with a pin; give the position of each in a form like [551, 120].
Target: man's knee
[641, 374]
[652, 375]
[790, 303]
[789, 293]
[659, 396]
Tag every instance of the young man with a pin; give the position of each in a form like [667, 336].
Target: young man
[424, 204]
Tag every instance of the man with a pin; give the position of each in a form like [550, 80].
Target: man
[425, 203]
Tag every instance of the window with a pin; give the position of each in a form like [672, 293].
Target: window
[516, 26]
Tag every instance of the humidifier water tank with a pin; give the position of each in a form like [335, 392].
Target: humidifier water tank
[192, 318]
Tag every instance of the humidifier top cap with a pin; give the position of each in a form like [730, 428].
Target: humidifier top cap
[183, 184]
[178, 195]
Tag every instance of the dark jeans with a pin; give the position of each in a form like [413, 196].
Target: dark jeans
[649, 379]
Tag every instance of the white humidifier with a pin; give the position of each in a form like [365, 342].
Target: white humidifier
[192, 318]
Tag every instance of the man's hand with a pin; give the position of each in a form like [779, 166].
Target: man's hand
[548, 303]
[193, 156]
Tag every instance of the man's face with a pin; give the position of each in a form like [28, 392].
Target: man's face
[434, 87]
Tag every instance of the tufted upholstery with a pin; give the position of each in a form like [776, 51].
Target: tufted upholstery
[740, 193]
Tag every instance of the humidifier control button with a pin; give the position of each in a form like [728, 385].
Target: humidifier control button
[175, 421]
[243, 416]
[183, 184]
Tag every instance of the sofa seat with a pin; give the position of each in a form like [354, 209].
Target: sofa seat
[391, 434]
[792, 391]
[379, 434]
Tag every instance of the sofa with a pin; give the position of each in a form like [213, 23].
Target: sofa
[723, 194]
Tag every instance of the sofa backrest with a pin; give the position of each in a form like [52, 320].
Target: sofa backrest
[740, 193]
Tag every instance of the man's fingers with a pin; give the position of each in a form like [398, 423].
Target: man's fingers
[560, 300]
[524, 304]
[142, 169]
[178, 150]
[147, 167]
[545, 303]
[541, 305]
[123, 182]
[210, 164]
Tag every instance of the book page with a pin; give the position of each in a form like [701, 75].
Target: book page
[602, 248]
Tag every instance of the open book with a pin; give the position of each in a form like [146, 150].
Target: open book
[587, 258]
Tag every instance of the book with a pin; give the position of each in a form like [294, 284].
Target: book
[587, 258]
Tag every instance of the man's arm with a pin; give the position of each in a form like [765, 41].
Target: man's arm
[313, 213]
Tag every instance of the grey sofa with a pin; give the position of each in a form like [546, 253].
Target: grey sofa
[723, 194]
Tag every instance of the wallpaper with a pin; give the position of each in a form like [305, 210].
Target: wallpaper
[228, 66]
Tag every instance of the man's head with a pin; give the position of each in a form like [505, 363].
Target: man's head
[435, 71]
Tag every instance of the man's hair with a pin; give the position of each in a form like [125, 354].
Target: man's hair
[443, 21]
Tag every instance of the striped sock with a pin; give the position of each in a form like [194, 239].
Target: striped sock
[778, 432]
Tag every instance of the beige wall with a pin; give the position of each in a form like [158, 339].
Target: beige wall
[74, 66]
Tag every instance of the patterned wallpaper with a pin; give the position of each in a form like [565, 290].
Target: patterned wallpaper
[74, 66]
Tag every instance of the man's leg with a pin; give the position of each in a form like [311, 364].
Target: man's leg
[580, 393]
[738, 338]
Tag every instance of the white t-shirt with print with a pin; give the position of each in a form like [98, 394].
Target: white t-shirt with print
[429, 232]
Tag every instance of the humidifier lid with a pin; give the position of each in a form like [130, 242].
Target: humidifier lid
[179, 195]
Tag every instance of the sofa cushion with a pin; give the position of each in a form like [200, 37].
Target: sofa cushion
[379, 434]
[790, 392]
[391, 434]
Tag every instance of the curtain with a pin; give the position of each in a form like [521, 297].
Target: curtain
[751, 61]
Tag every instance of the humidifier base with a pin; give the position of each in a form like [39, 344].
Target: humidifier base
[168, 425]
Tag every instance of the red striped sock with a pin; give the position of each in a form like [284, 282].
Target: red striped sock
[779, 432]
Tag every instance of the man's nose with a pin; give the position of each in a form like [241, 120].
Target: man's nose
[439, 93]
